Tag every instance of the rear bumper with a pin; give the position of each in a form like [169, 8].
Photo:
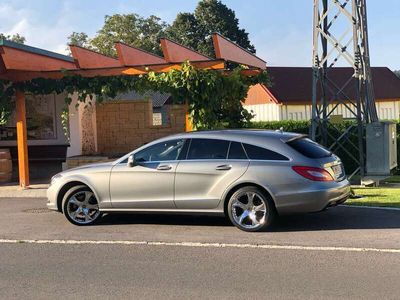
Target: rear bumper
[314, 198]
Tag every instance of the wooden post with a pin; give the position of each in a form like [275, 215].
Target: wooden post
[23, 166]
[188, 121]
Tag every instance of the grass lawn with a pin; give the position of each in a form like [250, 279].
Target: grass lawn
[393, 179]
[380, 196]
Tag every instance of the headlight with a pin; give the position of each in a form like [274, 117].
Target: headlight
[55, 178]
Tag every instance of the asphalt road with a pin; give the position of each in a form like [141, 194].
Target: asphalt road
[321, 255]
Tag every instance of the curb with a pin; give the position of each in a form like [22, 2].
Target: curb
[371, 207]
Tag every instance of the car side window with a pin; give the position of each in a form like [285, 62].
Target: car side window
[208, 149]
[259, 153]
[164, 151]
[236, 151]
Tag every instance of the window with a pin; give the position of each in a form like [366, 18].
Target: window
[259, 153]
[236, 151]
[168, 150]
[309, 148]
[208, 149]
[41, 119]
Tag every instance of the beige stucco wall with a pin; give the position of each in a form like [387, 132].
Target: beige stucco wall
[123, 126]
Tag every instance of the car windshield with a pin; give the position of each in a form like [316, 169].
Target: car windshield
[309, 148]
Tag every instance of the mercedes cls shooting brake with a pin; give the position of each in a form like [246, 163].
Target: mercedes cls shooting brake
[251, 176]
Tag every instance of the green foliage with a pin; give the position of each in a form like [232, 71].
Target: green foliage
[17, 38]
[7, 91]
[190, 29]
[130, 29]
[194, 30]
[79, 39]
[304, 128]
[186, 30]
[213, 97]
[287, 125]
[65, 122]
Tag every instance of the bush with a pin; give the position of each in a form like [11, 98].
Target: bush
[303, 127]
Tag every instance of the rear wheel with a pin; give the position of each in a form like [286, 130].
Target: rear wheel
[249, 209]
[80, 206]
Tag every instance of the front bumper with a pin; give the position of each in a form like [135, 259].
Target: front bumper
[314, 198]
[51, 194]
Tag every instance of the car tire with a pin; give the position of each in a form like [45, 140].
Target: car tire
[250, 209]
[80, 206]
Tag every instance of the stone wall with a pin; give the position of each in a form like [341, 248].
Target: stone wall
[123, 126]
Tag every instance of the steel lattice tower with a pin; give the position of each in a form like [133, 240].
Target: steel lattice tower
[340, 37]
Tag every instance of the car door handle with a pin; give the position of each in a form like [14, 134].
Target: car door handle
[164, 167]
[223, 167]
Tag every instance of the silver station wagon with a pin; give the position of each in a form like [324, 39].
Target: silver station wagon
[251, 176]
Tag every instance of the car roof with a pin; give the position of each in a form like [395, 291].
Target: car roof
[239, 134]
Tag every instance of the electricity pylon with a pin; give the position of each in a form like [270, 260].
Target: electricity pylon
[340, 38]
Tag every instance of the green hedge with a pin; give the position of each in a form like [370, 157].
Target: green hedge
[304, 128]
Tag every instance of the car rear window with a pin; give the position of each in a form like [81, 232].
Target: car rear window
[309, 148]
[259, 153]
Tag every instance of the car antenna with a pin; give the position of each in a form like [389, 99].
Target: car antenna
[279, 130]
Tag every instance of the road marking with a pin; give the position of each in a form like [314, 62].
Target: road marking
[202, 245]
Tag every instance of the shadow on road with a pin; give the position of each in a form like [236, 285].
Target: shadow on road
[338, 218]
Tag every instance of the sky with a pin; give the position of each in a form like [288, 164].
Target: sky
[280, 30]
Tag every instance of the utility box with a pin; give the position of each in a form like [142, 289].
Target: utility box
[381, 148]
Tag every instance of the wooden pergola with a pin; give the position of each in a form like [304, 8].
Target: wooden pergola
[20, 63]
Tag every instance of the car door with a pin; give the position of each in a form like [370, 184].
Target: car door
[207, 172]
[149, 184]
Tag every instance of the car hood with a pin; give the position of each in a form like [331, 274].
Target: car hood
[99, 166]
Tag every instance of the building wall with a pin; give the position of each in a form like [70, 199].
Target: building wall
[123, 126]
[263, 112]
[82, 128]
[387, 110]
[258, 94]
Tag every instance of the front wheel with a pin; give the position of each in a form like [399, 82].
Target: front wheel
[249, 209]
[80, 206]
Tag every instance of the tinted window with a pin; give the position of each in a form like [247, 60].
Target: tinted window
[208, 149]
[259, 153]
[309, 148]
[168, 150]
[236, 151]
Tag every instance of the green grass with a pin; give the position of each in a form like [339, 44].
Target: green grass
[393, 179]
[380, 196]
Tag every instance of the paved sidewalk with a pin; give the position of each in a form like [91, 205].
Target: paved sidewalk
[37, 190]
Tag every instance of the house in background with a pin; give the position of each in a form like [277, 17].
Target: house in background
[158, 100]
[290, 96]
[114, 128]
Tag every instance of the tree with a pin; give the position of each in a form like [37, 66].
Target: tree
[79, 39]
[130, 29]
[186, 31]
[194, 30]
[17, 38]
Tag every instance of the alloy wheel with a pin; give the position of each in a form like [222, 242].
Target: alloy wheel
[249, 210]
[82, 207]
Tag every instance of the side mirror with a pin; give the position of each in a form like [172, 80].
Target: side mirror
[131, 161]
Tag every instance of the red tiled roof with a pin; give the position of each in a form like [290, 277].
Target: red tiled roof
[294, 84]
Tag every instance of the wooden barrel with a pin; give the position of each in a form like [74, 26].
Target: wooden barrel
[5, 165]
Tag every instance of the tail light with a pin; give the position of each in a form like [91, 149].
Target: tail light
[314, 174]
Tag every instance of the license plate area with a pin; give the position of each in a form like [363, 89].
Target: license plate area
[338, 171]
